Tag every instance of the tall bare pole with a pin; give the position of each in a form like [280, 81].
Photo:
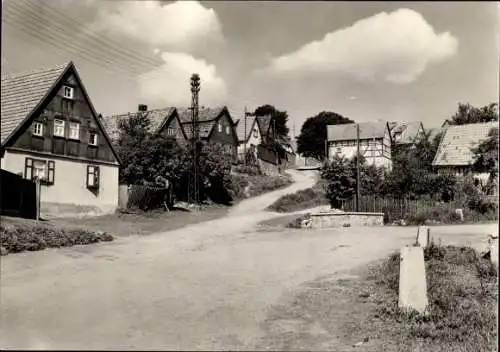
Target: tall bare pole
[357, 168]
[195, 136]
[245, 139]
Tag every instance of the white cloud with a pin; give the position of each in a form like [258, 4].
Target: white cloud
[396, 47]
[169, 83]
[177, 26]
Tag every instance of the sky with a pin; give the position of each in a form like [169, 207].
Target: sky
[394, 61]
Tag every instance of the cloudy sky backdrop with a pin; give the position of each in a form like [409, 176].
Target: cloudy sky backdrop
[365, 60]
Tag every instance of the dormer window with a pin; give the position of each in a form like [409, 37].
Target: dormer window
[68, 92]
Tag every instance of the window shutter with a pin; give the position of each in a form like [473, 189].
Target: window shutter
[28, 168]
[96, 176]
[51, 171]
[88, 175]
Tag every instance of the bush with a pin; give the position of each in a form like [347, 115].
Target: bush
[303, 199]
[244, 186]
[297, 223]
[443, 215]
[251, 170]
[20, 239]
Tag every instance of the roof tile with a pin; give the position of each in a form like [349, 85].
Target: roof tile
[367, 130]
[457, 142]
[21, 93]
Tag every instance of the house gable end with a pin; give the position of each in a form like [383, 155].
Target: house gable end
[78, 109]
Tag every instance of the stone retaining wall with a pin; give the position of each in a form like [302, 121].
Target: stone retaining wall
[324, 220]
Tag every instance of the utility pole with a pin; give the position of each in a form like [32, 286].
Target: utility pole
[357, 168]
[245, 139]
[195, 89]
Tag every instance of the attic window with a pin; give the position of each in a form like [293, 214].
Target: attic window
[255, 133]
[93, 138]
[38, 129]
[68, 92]
[228, 130]
[219, 126]
[59, 128]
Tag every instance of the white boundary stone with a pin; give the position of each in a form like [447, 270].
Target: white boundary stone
[412, 280]
[423, 236]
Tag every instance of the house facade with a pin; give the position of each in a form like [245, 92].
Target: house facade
[164, 121]
[51, 132]
[374, 142]
[455, 155]
[249, 136]
[215, 125]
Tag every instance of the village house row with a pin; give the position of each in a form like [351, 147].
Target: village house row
[51, 131]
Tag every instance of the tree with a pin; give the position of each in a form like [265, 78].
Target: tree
[469, 114]
[486, 156]
[341, 181]
[280, 119]
[145, 156]
[311, 141]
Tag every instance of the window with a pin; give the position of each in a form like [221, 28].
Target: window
[38, 129]
[59, 128]
[255, 133]
[93, 138]
[170, 131]
[92, 176]
[219, 127]
[228, 130]
[68, 92]
[74, 130]
[39, 169]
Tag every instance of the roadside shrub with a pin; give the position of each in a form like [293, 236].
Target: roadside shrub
[262, 184]
[251, 170]
[297, 223]
[443, 215]
[20, 239]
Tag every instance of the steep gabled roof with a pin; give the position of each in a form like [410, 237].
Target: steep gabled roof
[23, 94]
[240, 128]
[367, 130]
[407, 129]
[457, 142]
[158, 117]
[207, 118]
[204, 114]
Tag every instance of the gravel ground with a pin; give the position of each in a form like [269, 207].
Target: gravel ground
[206, 286]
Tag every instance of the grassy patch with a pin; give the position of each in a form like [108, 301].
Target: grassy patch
[140, 223]
[300, 200]
[359, 311]
[245, 186]
[463, 295]
[26, 237]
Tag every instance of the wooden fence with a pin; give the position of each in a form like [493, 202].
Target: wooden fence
[144, 197]
[18, 196]
[394, 208]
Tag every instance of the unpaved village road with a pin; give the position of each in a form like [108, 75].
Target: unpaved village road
[207, 286]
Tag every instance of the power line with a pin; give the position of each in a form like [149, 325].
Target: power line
[61, 35]
[81, 27]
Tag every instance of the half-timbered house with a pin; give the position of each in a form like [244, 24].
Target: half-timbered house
[374, 142]
[50, 131]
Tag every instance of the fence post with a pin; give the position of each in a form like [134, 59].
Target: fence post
[38, 191]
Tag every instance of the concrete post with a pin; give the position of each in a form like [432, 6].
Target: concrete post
[412, 280]
[423, 236]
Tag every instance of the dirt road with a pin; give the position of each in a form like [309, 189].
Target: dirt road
[207, 286]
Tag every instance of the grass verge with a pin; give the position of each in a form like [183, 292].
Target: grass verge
[358, 311]
[246, 186]
[300, 200]
[21, 238]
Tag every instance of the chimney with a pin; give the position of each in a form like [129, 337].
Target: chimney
[142, 107]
